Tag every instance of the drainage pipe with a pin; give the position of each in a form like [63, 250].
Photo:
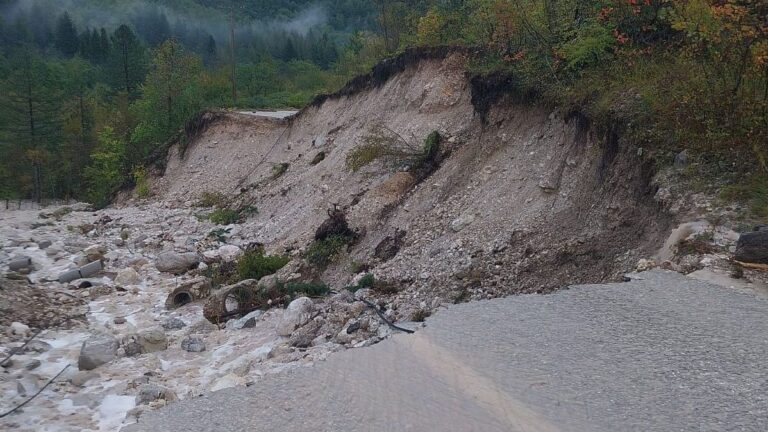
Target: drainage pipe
[83, 272]
[20, 263]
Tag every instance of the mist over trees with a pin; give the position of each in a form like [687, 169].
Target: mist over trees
[88, 89]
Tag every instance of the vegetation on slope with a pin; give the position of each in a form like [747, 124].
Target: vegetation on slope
[670, 75]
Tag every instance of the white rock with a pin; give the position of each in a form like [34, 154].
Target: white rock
[298, 313]
[227, 381]
[462, 222]
[239, 324]
[229, 252]
[127, 276]
[19, 329]
[96, 351]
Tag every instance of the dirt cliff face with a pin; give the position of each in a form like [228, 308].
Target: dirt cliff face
[523, 201]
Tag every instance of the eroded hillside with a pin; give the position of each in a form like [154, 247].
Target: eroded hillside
[524, 199]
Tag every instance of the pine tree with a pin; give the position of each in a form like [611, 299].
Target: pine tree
[30, 113]
[210, 54]
[66, 36]
[127, 60]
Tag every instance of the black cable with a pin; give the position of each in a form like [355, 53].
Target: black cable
[381, 315]
[34, 395]
[16, 350]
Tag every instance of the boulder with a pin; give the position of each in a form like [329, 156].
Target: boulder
[151, 392]
[298, 313]
[147, 341]
[752, 248]
[229, 252]
[127, 276]
[152, 340]
[95, 252]
[248, 321]
[192, 344]
[96, 351]
[173, 324]
[177, 263]
[19, 329]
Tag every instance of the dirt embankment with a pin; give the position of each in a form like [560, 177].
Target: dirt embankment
[524, 200]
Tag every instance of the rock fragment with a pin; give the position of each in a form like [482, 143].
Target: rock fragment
[96, 351]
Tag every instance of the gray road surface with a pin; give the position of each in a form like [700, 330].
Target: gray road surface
[667, 353]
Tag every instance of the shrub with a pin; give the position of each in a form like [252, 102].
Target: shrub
[224, 216]
[367, 281]
[255, 265]
[219, 234]
[321, 253]
[142, 183]
[311, 289]
[279, 169]
[224, 273]
[212, 199]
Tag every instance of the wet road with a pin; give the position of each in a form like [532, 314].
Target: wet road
[667, 353]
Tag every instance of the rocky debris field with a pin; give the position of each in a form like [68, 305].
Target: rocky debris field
[126, 345]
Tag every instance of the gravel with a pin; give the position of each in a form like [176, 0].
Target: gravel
[658, 354]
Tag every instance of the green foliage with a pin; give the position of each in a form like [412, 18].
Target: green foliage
[295, 289]
[212, 199]
[142, 183]
[219, 234]
[367, 281]
[256, 265]
[224, 216]
[279, 169]
[321, 253]
[753, 191]
[106, 172]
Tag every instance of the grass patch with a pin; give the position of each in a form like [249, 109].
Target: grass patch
[142, 182]
[224, 216]
[700, 244]
[309, 289]
[279, 169]
[255, 265]
[219, 234]
[753, 193]
[367, 281]
[212, 199]
[322, 253]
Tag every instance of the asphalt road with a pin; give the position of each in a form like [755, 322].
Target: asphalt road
[667, 353]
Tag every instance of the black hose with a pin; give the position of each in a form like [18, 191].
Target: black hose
[17, 407]
[381, 315]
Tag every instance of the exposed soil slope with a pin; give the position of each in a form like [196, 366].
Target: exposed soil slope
[524, 201]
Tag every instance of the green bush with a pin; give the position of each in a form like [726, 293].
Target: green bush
[224, 216]
[279, 169]
[367, 281]
[256, 265]
[212, 199]
[311, 289]
[142, 183]
[321, 253]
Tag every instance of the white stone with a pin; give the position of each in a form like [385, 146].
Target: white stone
[229, 252]
[19, 329]
[127, 276]
[298, 313]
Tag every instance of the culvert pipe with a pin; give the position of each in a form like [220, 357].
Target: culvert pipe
[83, 272]
[226, 301]
[20, 263]
[188, 292]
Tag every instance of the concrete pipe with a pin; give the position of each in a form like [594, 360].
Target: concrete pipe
[223, 303]
[188, 292]
[20, 263]
[83, 272]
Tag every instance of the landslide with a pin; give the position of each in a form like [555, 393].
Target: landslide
[525, 199]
